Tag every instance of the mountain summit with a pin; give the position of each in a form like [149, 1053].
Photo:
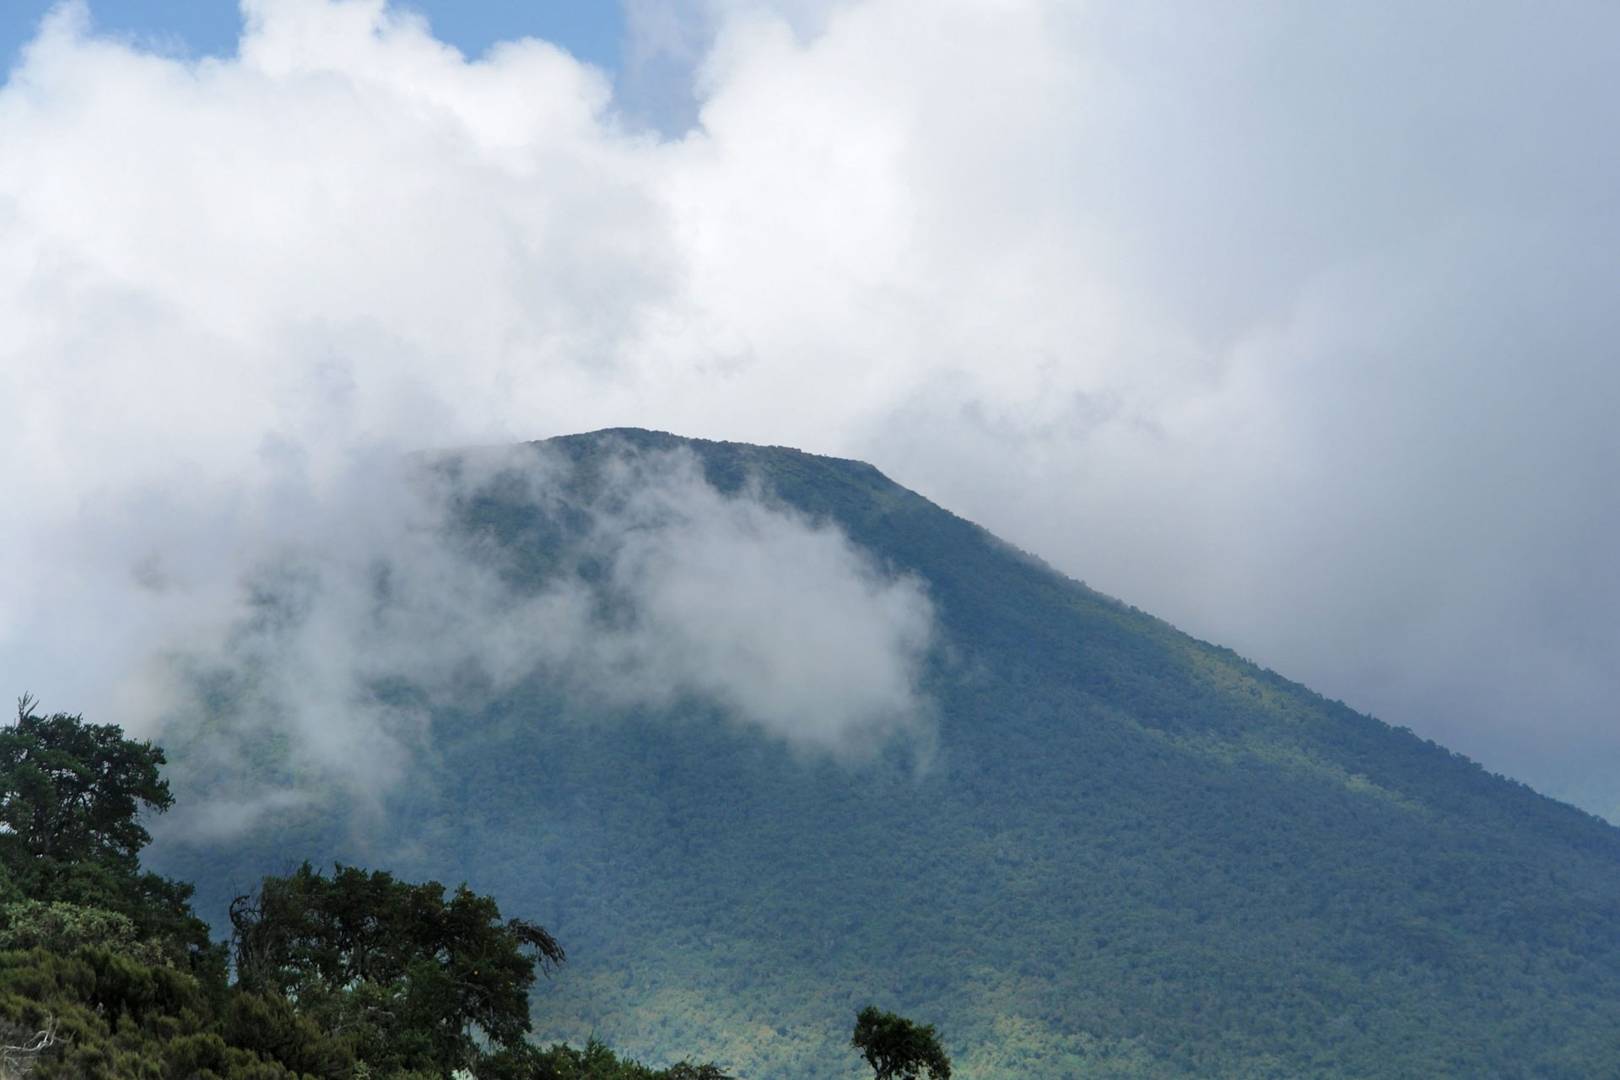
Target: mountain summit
[1079, 841]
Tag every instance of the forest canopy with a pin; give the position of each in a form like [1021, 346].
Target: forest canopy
[106, 973]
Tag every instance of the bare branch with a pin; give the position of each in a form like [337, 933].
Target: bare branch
[18, 1060]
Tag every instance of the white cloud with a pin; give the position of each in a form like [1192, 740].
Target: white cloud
[745, 603]
[342, 617]
[1289, 324]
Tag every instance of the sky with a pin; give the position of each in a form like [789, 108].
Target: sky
[592, 32]
[1292, 324]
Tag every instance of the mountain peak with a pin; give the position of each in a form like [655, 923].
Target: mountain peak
[1131, 851]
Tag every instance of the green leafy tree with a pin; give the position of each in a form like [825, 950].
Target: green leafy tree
[74, 792]
[72, 796]
[414, 979]
[898, 1049]
[110, 1017]
[66, 928]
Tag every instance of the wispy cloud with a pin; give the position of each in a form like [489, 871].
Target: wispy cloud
[314, 666]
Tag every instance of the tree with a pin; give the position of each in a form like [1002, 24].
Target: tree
[72, 796]
[413, 979]
[898, 1049]
[109, 1016]
[71, 791]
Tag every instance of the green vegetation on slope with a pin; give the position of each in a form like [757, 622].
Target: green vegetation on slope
[1131, 854]
[106, 975]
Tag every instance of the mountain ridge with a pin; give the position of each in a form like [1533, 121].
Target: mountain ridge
[1141, 854]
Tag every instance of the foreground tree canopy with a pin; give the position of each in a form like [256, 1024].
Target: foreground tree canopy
[73, 792]
[106, 974]
[418, 980]
[898, 1049]
[71, 799]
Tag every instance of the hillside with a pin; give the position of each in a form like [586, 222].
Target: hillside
[1119, 851]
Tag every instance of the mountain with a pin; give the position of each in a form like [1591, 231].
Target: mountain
[1113, 850]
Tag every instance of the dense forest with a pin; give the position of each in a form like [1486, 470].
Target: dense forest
[1126, 853]
[106, 974]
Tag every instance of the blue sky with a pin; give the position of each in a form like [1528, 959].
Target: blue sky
[590, 29]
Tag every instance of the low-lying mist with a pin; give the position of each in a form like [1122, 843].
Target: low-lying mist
[310, 663]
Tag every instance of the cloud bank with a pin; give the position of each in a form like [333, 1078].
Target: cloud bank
[1293, 326]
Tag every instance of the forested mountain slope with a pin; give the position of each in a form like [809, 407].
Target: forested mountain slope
[1118, 851]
